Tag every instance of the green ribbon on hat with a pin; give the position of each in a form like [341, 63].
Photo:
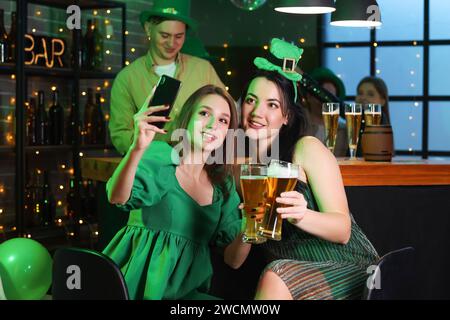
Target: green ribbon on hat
[289, 54]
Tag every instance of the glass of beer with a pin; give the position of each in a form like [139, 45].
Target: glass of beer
[254, 191]
[372, 114]
[330, 115]
[353, 116]
[281, 177]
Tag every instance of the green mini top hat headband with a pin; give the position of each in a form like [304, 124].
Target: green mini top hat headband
[289, 56]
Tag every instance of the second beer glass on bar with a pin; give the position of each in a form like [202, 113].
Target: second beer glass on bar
[330, 115]
[372, 114]
[353, 116]
[281, 177]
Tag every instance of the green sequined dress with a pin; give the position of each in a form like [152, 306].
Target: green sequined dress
[313, 268]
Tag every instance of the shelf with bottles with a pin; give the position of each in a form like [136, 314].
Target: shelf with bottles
[56, 128]
[89, 52]
[54, 203]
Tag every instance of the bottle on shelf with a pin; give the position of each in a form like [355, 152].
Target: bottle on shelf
[56, 121]
[98, 47]
[12, 36]
[3, 39]
[72, 204]
[88, 46]
[32, 206]
[89, 121]
[99, 121]
[88, 199]
[77, 59]
[72, 129]
[41, 124]
[30, 122]
[48, 203]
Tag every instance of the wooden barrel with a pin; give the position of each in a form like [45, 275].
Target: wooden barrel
[377, 143]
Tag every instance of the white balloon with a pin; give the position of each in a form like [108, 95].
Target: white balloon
[248, 5]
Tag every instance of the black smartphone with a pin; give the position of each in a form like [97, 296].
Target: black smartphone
[166, 93]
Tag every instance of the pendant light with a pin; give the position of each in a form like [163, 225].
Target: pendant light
[305, 6]
[356, 13]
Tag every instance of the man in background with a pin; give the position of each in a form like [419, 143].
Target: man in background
[165, 25]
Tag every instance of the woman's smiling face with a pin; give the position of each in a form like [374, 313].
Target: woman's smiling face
[209, 123]
[262, 114]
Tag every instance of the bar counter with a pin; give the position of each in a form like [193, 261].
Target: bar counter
[397, 204]
[399, 172]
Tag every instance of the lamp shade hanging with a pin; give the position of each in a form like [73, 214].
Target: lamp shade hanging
[356, 13]
[305, 6]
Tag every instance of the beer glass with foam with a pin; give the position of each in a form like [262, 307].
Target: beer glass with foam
[281, 177]
[330, 115]
[353, 116]
[372, 114]
[253, 180]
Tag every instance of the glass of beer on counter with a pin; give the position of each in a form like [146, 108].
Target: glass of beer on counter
[253, 180]
[372, 114]
[281, 177]
[330, 115]
[353, 116]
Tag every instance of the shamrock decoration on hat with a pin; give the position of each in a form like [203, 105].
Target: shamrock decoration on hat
[289, 56]
[172, 9]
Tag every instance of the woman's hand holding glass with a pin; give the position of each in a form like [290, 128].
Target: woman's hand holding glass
[296, 206]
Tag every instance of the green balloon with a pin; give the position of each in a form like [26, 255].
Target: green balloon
[25, 269]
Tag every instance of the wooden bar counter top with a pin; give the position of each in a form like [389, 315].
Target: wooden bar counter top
[401, 171]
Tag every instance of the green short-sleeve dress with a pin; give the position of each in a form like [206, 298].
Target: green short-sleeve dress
[163, 251]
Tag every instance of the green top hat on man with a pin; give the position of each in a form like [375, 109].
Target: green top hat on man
[170, 9]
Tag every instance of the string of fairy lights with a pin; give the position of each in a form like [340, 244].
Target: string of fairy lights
[229, 71]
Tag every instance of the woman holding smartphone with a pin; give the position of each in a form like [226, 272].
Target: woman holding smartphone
[186, 204]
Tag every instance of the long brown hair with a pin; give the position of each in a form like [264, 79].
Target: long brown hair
[217, 173]
[382, 90]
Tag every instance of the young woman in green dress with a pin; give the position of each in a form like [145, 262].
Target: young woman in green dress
[323, 253]
[180, 204]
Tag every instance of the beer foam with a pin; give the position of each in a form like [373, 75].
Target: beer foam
[331, 113]
[253, 177]
[282, 172]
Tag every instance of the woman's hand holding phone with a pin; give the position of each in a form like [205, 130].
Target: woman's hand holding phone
[144, 128]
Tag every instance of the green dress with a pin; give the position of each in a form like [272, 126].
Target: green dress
[163, 252]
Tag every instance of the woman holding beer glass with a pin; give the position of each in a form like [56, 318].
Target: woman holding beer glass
[185, 204]
[322, 253]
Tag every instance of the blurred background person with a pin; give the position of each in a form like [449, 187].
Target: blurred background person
[166, 25]
[374, 90]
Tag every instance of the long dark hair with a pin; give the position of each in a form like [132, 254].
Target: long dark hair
[382, 90]
[297, 126]
[217, 173]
